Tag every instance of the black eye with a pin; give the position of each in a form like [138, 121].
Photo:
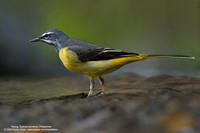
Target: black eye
[45, 36]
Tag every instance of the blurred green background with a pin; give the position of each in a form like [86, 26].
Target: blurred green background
[144, 26]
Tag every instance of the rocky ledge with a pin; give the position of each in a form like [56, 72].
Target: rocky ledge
[132, 104]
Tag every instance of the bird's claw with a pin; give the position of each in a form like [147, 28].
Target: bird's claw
[101, 93]
[90, 93]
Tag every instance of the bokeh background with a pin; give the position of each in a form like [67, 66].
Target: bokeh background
[144, 26]
[154, 104]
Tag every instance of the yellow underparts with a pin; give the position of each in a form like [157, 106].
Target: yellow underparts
[94, 69]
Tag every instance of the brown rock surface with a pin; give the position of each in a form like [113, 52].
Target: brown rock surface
[132, 104]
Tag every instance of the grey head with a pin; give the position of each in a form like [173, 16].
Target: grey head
[52, 37]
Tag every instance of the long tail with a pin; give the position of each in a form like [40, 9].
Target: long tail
[125, 60]
[169, 56]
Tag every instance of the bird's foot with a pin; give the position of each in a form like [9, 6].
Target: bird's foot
[90, 93]
[101, 93]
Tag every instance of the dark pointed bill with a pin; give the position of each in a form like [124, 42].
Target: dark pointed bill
[35, 40]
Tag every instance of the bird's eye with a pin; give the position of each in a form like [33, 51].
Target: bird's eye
[45, 36]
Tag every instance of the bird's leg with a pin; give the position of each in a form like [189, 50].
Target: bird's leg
[91, 87]
[101, 81]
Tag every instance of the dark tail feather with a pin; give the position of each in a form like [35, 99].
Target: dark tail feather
[170, 56]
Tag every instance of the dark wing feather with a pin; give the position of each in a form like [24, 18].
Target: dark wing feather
[90, 52]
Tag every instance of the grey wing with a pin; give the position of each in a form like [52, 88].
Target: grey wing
[89, 52]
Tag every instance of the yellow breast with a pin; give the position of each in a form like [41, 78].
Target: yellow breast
[69, 59]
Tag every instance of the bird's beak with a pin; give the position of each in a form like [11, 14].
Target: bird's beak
[35, 40]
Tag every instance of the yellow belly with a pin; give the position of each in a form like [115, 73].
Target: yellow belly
[93, 68]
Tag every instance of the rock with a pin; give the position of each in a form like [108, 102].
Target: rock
[158, 104]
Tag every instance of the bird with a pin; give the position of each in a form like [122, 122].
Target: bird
[92, 60]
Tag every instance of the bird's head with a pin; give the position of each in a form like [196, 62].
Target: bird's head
[53, 37]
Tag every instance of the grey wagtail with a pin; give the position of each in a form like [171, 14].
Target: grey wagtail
[92, 60]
